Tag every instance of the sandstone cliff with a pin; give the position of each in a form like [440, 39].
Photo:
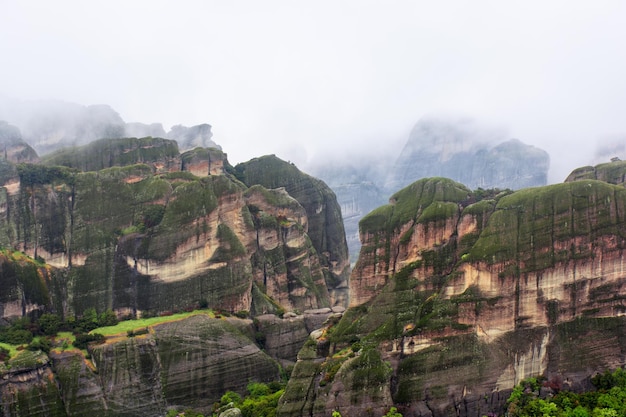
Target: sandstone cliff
[325, 223]
[188, 363]
[133, 225]
[458, 295]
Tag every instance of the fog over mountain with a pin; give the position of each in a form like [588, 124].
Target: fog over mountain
[302, 80]
[48, 125]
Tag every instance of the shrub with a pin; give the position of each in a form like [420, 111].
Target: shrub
[49, 323]
[107, 318]
[84, 339]
[16, 336]
[243, 314]
[41, 343]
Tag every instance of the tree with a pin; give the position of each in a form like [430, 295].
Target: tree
[107, 318]
[88, 321]
[393, 412]
[49, 323]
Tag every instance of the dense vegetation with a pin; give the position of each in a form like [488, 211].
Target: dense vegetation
[261, 401]
[538, 398]
[40, 333]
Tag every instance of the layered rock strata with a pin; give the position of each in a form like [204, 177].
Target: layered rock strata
[134, 226]
[459, 295]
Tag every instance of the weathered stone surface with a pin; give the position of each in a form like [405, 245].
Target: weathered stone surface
[201, 358]
[188, 363]
[325, 227]
[162, 232]
[613, 172]
[28, 388]
[80, 388]
[283, 337]
[465, 294]
[233, 412]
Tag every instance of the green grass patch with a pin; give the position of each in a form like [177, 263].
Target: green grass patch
[11, 348]
[124, 327]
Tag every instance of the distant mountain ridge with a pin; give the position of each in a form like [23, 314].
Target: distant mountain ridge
[457, 148]
[48, 125]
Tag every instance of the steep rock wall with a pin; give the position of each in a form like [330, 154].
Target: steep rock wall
[459, 295]
[325, 226]
[187, 363]
[150, 237]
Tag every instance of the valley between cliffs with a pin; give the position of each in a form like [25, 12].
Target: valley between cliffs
[457, 295]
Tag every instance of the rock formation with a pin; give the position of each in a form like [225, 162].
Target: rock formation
[613, 172]
[459, 295]
[188, 363]
[324, 215]
[132, 225]
[135, 226]
[459, 149]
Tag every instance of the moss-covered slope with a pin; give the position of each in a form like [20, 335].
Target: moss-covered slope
[613, 172]
[106, 153]
[325, 226]
[462, 294]
[163, 234]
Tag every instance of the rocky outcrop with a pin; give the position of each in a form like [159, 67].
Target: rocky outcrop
[28, 388]
[198, 136]
[325, 227]
[132, 225]
[14, 149]
[107, 153]
[51, 125]
[613, 172]
[459, 295]
[188, 364]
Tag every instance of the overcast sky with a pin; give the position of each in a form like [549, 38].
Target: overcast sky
[292, 77]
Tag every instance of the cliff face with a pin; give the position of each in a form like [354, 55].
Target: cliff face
[188, 363]
[132, 225]
[325, 226]
[458, 295]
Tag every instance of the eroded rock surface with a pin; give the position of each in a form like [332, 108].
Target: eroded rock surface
[458, 295]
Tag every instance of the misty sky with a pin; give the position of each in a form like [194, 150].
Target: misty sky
[293, 77]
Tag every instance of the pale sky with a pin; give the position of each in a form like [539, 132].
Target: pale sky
[295, 77]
